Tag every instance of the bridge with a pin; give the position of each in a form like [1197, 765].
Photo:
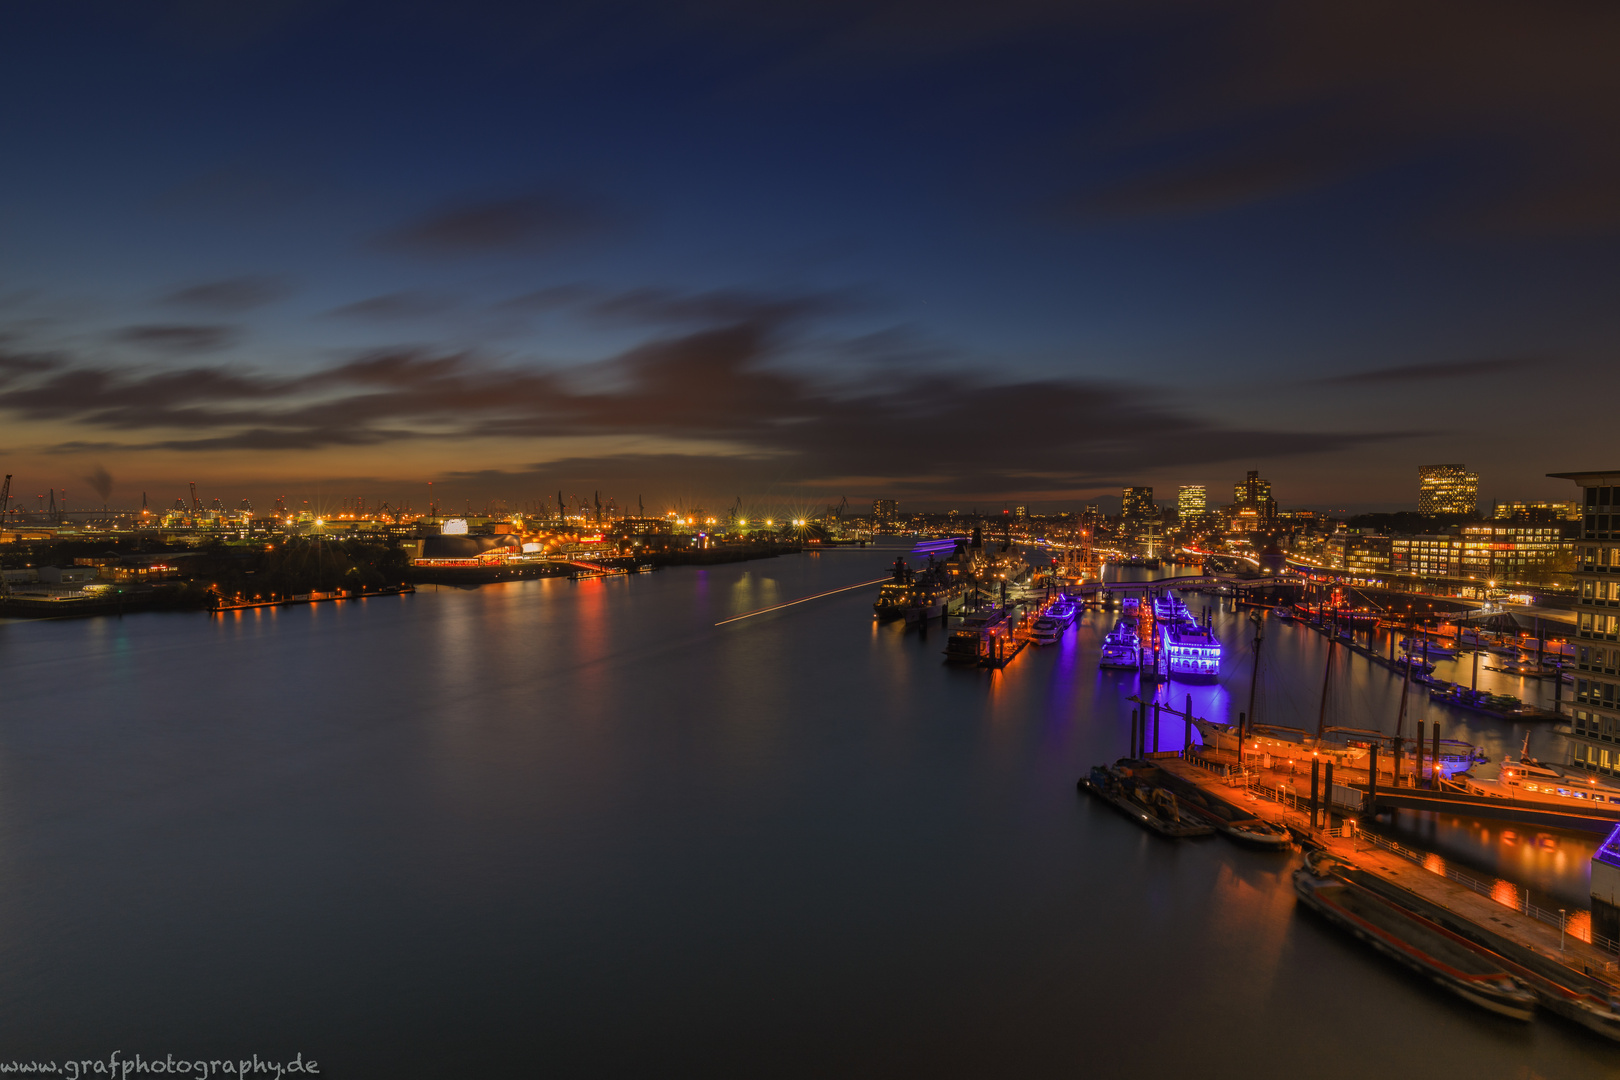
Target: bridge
[1232, 581]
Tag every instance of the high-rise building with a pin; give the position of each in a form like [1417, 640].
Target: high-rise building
[1136, 502]
[1447, 489]
[1191, 501]
[1594, 712]
[1254, 493]
[885, 509]
[1020, 513]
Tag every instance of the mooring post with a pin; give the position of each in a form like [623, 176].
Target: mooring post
[1417, 758]
[1327, 797]
[1133, 752]
[1395, 768]
[1187, 738]
[1316, 779]
[1372, 782]
[1476, 667]
[1155, 726]
[1434, 759]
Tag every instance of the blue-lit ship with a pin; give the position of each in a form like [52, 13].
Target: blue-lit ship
[1191, 652]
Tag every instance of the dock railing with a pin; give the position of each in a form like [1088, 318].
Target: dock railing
[1577, 922]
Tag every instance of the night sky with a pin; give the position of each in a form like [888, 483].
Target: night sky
[958, 255]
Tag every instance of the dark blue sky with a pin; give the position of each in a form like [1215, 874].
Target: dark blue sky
[958, 255]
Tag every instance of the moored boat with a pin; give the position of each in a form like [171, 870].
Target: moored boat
[1153, 807]
[1119, 648]
[1454, 963]
[1046, 631]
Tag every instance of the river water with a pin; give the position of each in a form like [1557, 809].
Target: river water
[576, 829]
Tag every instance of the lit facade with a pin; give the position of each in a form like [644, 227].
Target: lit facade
[1191, 501]
[1538, 511]
[1447, 489]
[1137, 502]
[1594, 713]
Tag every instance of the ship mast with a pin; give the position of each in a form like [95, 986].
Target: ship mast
[1327, 677]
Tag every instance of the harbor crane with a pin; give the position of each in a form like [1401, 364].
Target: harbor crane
[195, 505]
[5, 504]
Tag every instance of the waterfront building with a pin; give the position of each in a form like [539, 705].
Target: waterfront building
[1358, 553]
[1537, 511]
[1447, 489]
[1516, 552]
[1426, 557]
[1594, 714]
[1136, 503]
[884, 510]
[1191, 501]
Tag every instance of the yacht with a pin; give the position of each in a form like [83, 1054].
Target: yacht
[1525, 779]
[1120, 647]
[1047, 630]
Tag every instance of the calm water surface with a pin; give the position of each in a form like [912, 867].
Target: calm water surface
[550, 828]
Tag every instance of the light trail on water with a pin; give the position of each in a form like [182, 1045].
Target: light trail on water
[803, 600]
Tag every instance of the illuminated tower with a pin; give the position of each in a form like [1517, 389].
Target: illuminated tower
[1191, 501]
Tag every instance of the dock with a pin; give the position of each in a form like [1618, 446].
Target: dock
[1566, 938]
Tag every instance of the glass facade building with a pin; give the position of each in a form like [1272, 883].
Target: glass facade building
[1447, 489]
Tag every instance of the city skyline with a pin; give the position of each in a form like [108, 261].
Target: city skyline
[690, 254]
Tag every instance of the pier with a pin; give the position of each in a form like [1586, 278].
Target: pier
[1565, 937]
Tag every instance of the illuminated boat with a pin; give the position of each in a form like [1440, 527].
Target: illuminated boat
[916, 595]
[1064, 611]
[1470, 971]
[1428, 649]
[1525, 779]
[1047, 630]
[1119, 648]
[1192, 652]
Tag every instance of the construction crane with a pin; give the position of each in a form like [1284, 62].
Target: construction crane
[5, 504]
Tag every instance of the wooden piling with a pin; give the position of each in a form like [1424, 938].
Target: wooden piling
[1327, 796]
[1434, 759]
[1316, 778]
[1134, 730]
[1372, 782]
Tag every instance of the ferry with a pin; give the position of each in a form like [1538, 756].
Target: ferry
[1192, 652]
[1525, 779]
[1119, 648]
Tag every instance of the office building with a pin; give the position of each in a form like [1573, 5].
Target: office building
[1447, 489]
[885, 510]
[1191, 501]
[1253, 494]
[1537, 511]
[1594, 713]
[1136, 503]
